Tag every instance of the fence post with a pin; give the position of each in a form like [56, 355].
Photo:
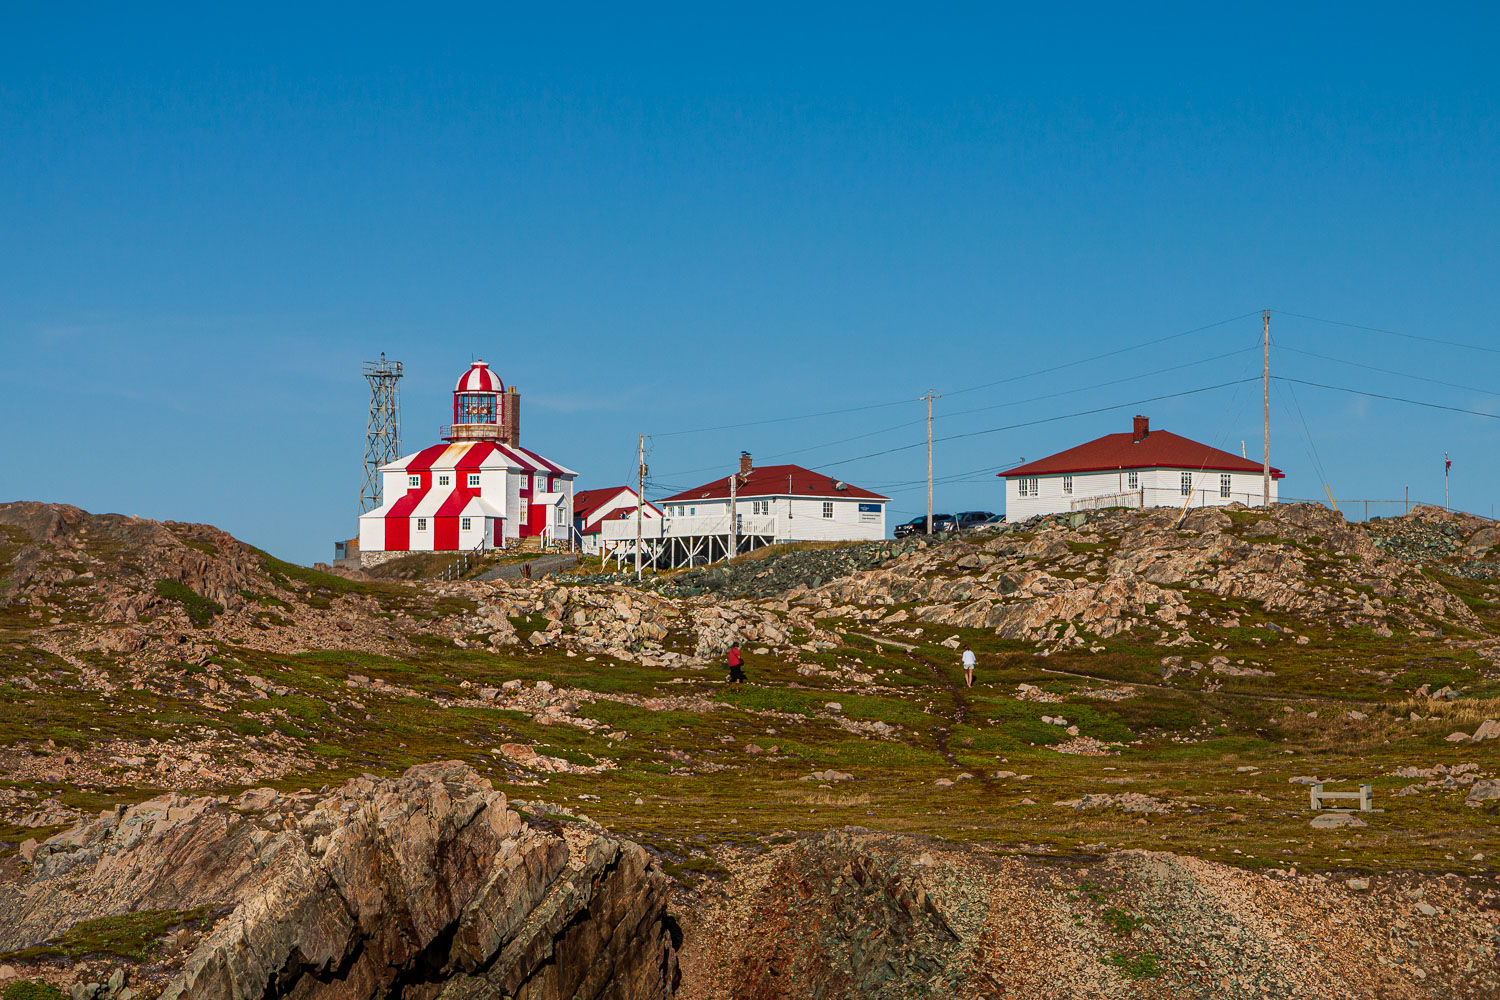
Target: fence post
[1314, 792]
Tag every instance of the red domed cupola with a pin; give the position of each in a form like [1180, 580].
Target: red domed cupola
[483, 408]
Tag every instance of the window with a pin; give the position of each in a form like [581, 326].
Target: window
[1187, 484]
[464, 523]
[760, 506]
[1067, 485]
[473, 480]
[1224, 484]
[1133, 480]
[413, 482]
[444, 479]
[692, 511]
[827, 508]
[1029, 487]
[476, 408]
[561, 517]
[421, 524]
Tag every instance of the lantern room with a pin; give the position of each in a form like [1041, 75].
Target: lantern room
[483, 408]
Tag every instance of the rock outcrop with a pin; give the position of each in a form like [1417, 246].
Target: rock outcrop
[418, 887]
[854, 914]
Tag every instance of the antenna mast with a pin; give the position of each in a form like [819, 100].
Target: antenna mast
[383, 428]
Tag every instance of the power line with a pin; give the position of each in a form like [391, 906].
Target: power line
[778, 420]
[1378, 395]
[1042, 420]
[1106, 354]
[993, 406]
[1389, 371]
[1392, 333]
[972, 388]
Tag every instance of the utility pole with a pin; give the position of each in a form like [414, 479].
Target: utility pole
[734, 534]
[1265, 392]
[640, 497]
[1447, 465]
[931, 395]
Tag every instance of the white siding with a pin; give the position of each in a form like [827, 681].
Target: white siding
[514, 515]
[1156, 488]
[371, 534]
[798, 519]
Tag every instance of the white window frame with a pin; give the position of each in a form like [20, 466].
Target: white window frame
[1187, 484]
[1068, 484]
[1133, 480]
[828, 509]
[473, 480]
[1030, 486]
[413, 482]
[465, 523]
[421, 524]
[444, 478]
[1225, 484]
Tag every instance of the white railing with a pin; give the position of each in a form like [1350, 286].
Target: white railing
[623, 529]
[1166, 496]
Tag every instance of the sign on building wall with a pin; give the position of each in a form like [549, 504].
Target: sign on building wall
[869, 512]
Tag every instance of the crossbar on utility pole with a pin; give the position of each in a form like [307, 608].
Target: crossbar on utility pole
[1265, 391]
[931, 395]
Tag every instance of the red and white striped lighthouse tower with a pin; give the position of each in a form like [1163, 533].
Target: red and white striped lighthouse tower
[484, 409]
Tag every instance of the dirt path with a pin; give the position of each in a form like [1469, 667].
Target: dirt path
[942, 734]
[541, 566]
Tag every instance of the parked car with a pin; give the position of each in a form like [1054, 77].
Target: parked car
[992, 523]
[918, 525]
[973, 518]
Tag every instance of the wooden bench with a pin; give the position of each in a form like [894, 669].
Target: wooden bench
[1365, 796]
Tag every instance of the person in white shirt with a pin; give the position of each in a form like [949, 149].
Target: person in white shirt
[969, 662]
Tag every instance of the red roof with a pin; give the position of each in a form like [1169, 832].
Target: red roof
[776, 481]
[618, 514]
[1157, 450]
[587, 502]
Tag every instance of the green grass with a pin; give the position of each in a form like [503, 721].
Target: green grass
[1137, 965]
[128, 935]
[200, 610]
[31, 989]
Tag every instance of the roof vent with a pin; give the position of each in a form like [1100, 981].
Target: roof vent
[841, 485]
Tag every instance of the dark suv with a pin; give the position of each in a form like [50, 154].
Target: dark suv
[918, 525]
[972, 518]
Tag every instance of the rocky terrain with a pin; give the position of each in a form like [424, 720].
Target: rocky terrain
[545, 788]
[426, 884]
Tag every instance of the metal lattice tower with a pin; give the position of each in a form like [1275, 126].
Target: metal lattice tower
[383, 430]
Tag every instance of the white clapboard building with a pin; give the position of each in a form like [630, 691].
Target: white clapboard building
[777, 503]
[1139, 468]
[593, 508]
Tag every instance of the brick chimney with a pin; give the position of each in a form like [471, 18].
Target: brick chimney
[745, 463]
[1142, 428]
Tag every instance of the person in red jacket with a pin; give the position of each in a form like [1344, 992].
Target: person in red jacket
[736, 664]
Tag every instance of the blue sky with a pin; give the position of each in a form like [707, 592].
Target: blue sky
[668, 220]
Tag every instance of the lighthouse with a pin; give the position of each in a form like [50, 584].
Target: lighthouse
[484, 409]
[478, 490]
